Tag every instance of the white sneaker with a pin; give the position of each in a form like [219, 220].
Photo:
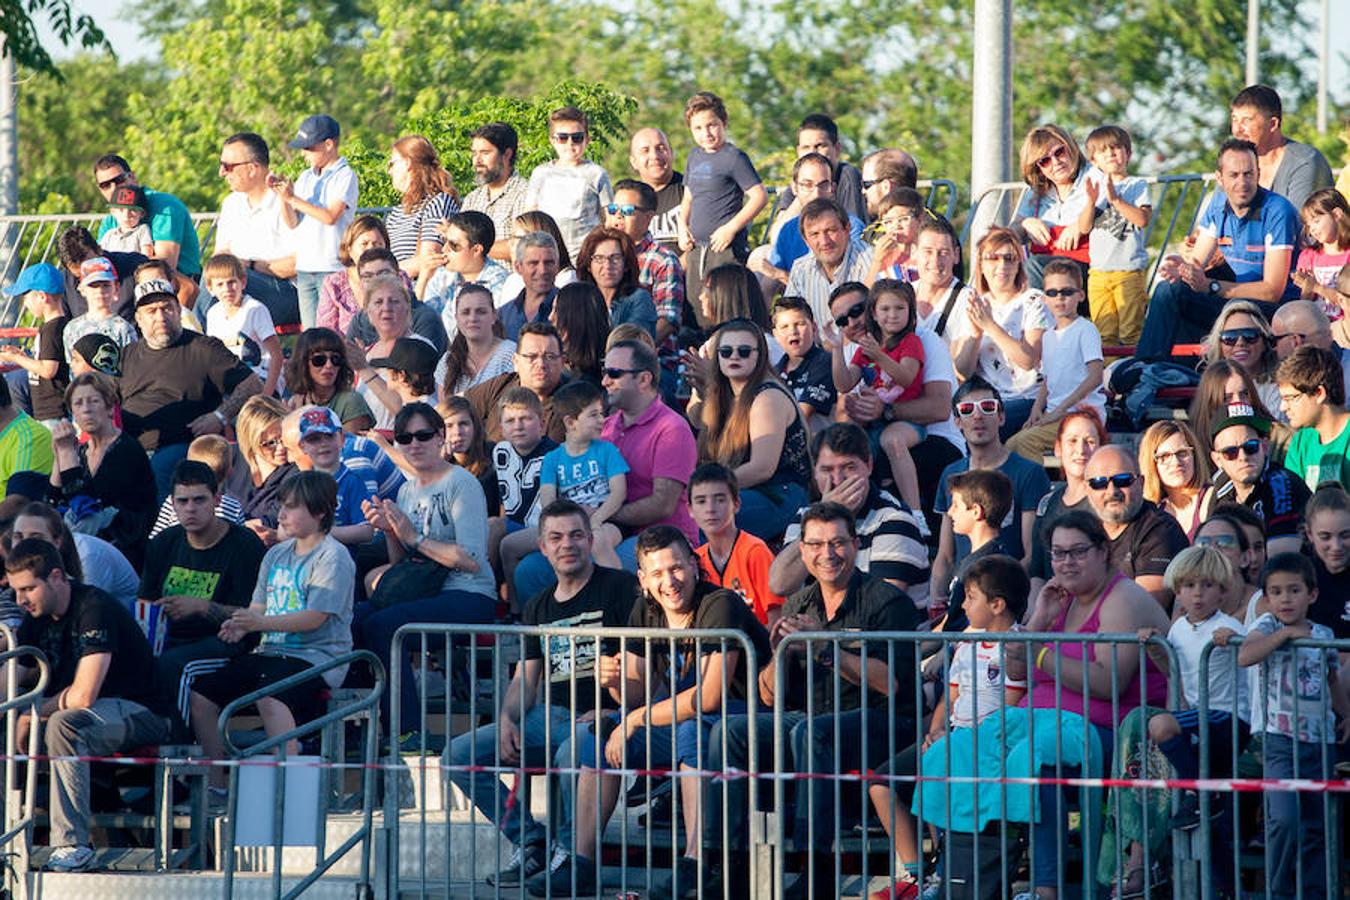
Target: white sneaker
[70, 859]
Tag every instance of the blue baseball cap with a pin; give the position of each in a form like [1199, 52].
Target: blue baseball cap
[315, 130]
[320, 420]
[43, 277]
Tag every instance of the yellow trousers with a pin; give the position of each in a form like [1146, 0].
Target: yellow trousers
[1117, 301]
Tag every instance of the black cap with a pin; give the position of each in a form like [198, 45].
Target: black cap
[101, 352]
[409, 355]
[315, 130]
[1240, 414]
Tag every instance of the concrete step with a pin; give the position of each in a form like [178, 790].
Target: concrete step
[176, 886]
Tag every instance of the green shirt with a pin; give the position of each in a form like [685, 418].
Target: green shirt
[1316, 462]
[25, 446]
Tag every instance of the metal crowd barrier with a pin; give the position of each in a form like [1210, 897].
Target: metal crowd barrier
[20, 802]
[276, 745]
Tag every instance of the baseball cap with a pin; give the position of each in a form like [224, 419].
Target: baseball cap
[315, 130]
[101, 352]
[43, 277]
[320, 420]
[409, 355]
[1240, 414]
[129, 196]
[154, 289]
[97, 269]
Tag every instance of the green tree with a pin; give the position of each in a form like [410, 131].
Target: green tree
[19, 30]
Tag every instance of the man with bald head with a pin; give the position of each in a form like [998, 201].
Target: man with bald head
[1299, 323]
[1143, 538]
[882, 172]
[653, 161]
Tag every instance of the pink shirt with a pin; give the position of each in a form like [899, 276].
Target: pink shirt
[660, 444]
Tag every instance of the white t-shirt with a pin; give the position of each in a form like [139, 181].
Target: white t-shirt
[1065, 353]
[1025, 312]
[978, 674]
[1190, 641]
[316, 244]
[937, 366]
[1114, 244]
[243, 330]
[253, 232]
[1292, 674]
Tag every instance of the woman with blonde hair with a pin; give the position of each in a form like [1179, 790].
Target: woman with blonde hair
[258, 428]
[1176, 473]
[429, 197]
[1056, 173]
[1242, 335]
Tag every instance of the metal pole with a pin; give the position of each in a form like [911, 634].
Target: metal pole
[9, 135]
[1253, 40]
[1323, 66]
[991, 103]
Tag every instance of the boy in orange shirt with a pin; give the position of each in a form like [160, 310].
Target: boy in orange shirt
[731, 558]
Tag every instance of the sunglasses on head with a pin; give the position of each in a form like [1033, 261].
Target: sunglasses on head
[319, 360]
[1249, 447]
[988, 406]
[743, 351]
[422, 436]
[1121, 480]
[1060, 152]
[1232, 336]
[852, 313]
[576, 137]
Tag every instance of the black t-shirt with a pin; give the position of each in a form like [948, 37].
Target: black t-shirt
[717, 608]
[664, 227]
[1279, 499]
[811, 382]
[1332, 607]
[956, 592]
[164, 390]
[1148, 543]
[95, 623]
[224, 573]
[1051, 507]
[48, 395]
[604, 602]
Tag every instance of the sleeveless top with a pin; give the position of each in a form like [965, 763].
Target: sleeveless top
[1099, 710]
[794, 460]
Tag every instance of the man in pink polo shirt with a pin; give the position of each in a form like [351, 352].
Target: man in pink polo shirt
[659, 447]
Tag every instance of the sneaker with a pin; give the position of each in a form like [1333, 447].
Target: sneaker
[557, 881]
[932, 887]
[523, 864]
[901, 889]
[70, 859]
[1187, 816]
[414, 743]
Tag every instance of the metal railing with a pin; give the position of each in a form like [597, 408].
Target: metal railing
[277, 744]
[20, 803]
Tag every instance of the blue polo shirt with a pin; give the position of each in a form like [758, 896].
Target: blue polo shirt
[789, 246]
[1272, 223]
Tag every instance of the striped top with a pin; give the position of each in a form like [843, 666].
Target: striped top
[407, 230]
[25, 446]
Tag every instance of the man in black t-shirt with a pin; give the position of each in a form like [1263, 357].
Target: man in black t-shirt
[1244, 475]
[199, 571]
[535, 713]
[101, 696]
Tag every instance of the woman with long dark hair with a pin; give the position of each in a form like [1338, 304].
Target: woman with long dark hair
[318, 374]
[582, 319]
[466, 445]
[479, 349]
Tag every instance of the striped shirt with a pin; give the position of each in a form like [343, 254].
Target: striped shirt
[387, 475]
[889, 543]
[25, 446]
[409, 229]
[228, 509]
[808, 280]
[502, 208]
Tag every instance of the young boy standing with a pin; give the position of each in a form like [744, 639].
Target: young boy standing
[1312, 395]
[573, 190]
[1115, 216]
[98, 287]
[1071, 358]
[519, 461]
[805, 365]
[722, 195]
[981, 500]
[321, 438]
[731, 558]
[241, 323]
[318, 207]
[44, 293]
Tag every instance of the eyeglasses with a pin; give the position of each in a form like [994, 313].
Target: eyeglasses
[368, 275]
[1061, 292]
[1121, 480]
[114, 181]
[612, 259]
[1231, 337]
[989, 406]
[1001, 257]
[1249, 447]
[624, 209]
[852, 313]
[226, 167]
[838, 545]
[533, 358]
[615, 374]
[742, 350]
[1077, 553]
[576, 137]
[1178, 456]
[813, 185]
[1226, 541]
[407, 437]
[1060, 152]
[270, 444]
[319, 360]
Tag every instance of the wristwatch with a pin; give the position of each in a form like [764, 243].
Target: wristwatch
[221, 416]
[1214, 288]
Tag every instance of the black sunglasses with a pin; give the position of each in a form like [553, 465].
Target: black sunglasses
[1246, 448]
[319, 360]
[113, 182]
[1061, 292]
[575, 137]
[616, 374]
[1230, 337]
[1121, 480]
[743, 351]
[407, 437]
[853, 312]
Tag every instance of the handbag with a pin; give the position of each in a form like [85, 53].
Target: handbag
[411, 578]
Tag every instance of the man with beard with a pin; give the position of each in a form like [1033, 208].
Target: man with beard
[500, 192]
[1244, 475]
[176, 384]
[1143, 538]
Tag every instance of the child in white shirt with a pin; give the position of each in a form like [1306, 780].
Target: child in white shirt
[241, 323]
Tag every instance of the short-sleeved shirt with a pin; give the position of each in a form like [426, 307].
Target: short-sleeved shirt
[169, 221]
[746, 573]
[453, 509]
[1116, 244]
[1149, 542]
[321, 580]
[25, 446]
[573, 195]
[937, 366]
[503, 207]
[316, 244]
[224, 573]
[94, 623]
[1023, 313]
[1065, 354]
[1332, 605]
[409, 230]
[354, 487]
[1030, 484]
[1271, 223]
[1057, 214]
[1279, 498]
[1302, 170]
[243, 330]
[1290, 673]
[116, 328]
[658, 444]
[978, 673]
[1051, 507]
[519, 477]
[253, 232]
[387, 475]
[583, 479]
[1316, 462]
[1189, 639]
[717, 183]
[605, 602]
[48, 394]
[664, 227]
[908, 347]
[164, 390]
[812, 382]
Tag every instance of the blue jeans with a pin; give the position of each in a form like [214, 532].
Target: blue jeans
[279, 295]
[1015, 414]
[162, 463]
[1296, 844]
[1179, 315]
[1052, 828]
[373, 630]
[546, 733]
[534, 574]
[307, 286]
[766, 511]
